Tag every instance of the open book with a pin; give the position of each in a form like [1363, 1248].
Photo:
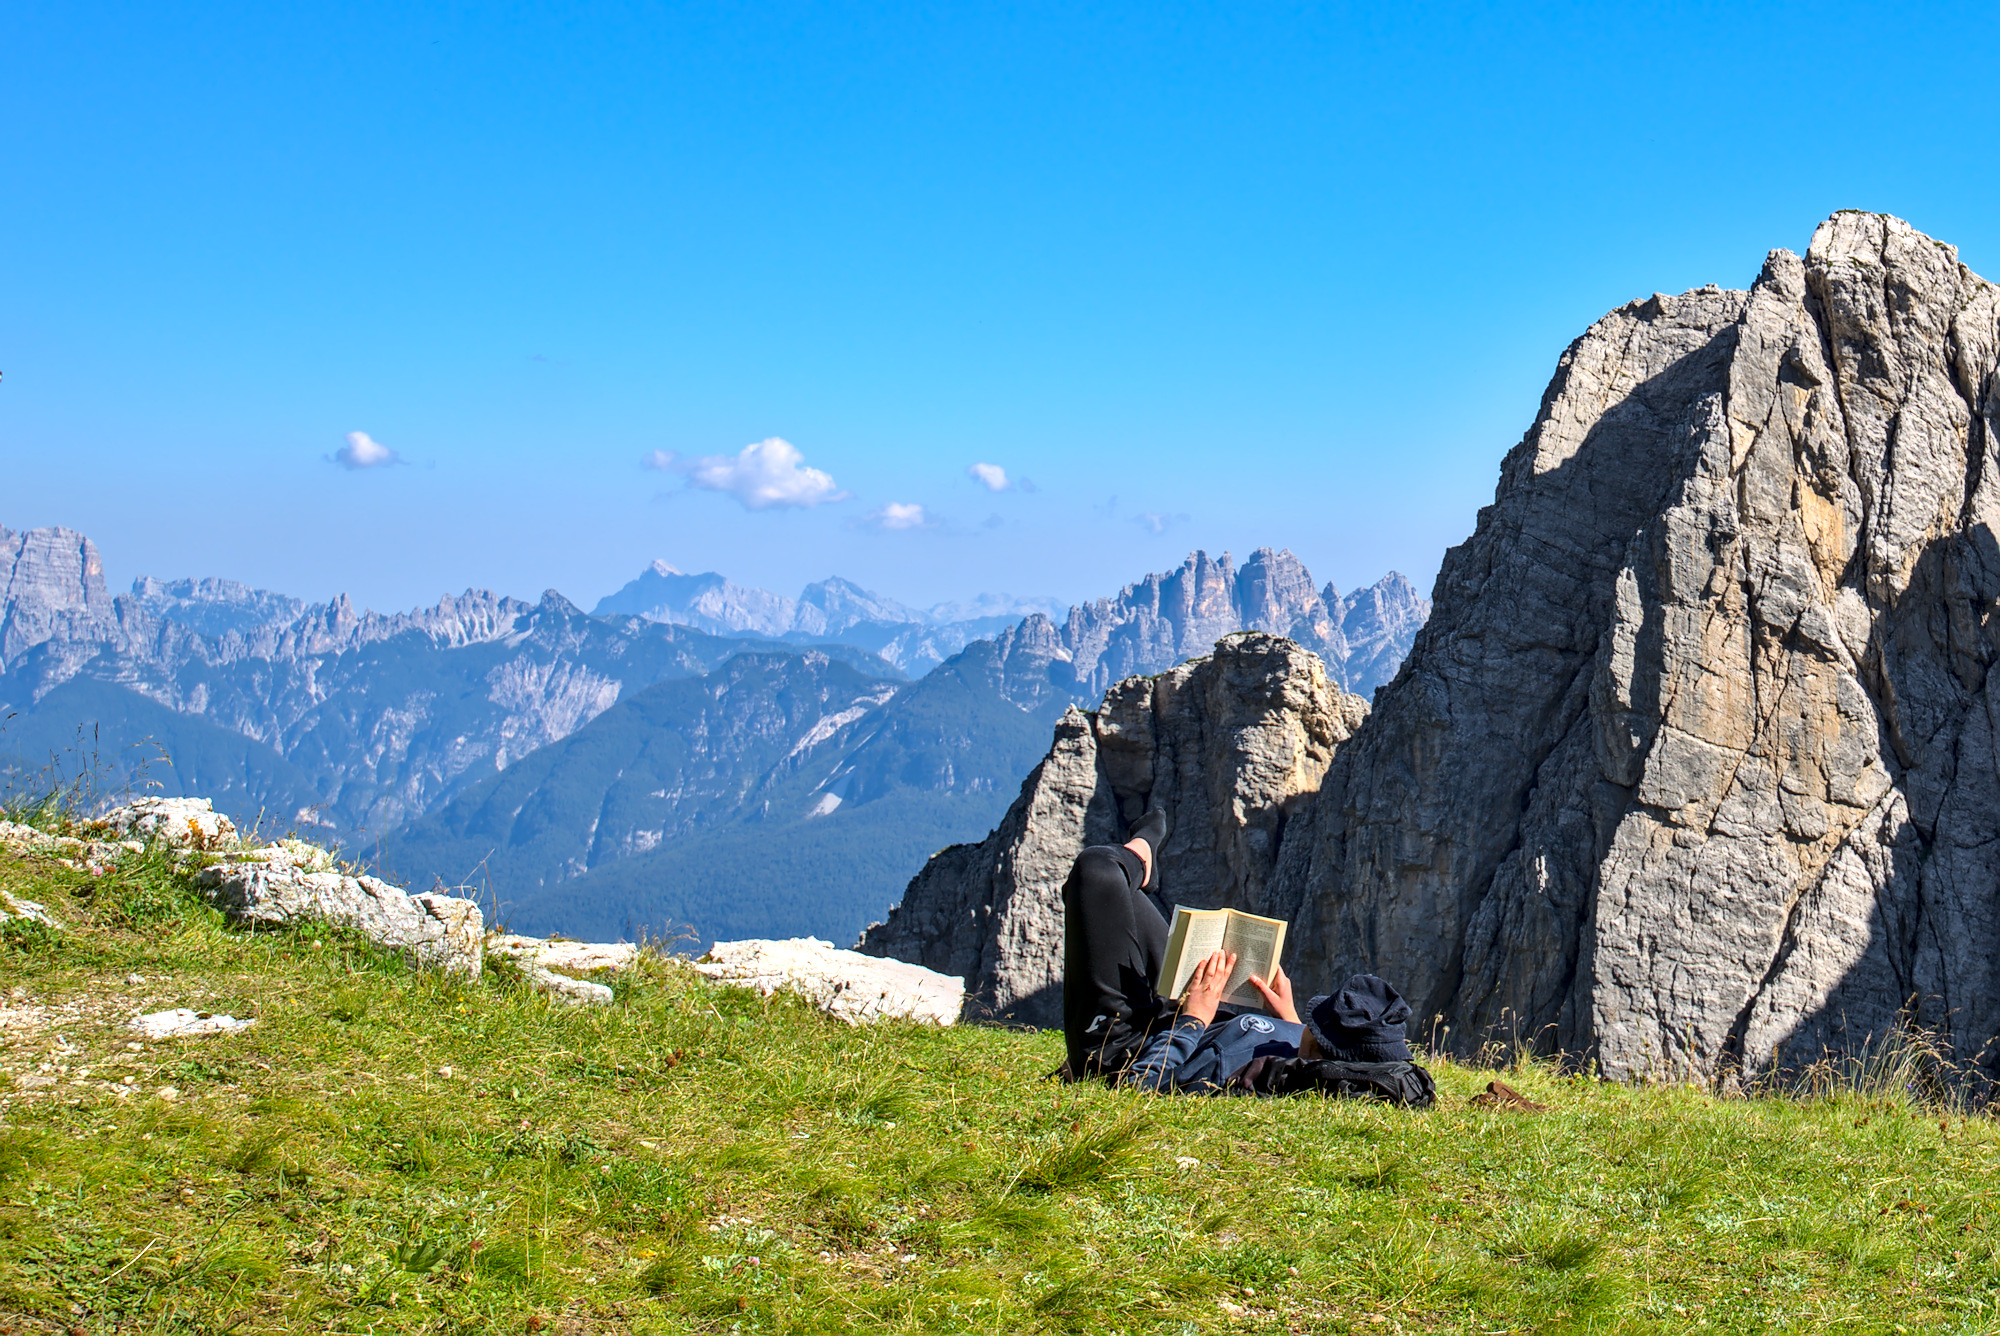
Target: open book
[1257, 942]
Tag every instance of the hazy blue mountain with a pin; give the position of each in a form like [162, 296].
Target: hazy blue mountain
[707, 602]
[780, 795]
[830, 606]
[383, 717]
[831, 610]
[609, 774]
[215, 607]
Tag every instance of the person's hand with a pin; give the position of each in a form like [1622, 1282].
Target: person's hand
[1277, 994]
[1205, 989]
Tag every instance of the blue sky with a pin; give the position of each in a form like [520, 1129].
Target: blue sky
[1213, 276]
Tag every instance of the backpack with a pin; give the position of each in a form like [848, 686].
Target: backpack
[1403, 1084]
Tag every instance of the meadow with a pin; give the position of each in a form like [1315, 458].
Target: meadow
[389, 1150]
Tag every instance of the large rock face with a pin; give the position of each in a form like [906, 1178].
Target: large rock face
[1694, 765]
[50, 580]
[1226, 744]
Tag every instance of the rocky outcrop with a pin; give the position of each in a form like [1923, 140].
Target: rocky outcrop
[273, 886]
[87, 852]
[551, 964]
[185, 1023]
[1694, 765]
[1173, 616]
[188, 822]
[848, 986]
[15, 907]
[1227, 745]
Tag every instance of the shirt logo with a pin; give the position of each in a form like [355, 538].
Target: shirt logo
[1258, 1025]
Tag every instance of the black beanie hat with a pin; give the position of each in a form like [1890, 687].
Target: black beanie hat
[1363, 1022]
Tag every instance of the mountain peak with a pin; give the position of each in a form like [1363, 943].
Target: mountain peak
[50, 579]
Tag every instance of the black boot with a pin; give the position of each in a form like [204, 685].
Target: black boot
[1152, 828]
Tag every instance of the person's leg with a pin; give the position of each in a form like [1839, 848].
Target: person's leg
[1113, 943]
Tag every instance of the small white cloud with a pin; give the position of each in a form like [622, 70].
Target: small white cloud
[1154, 522]
[991, 476]
[766, 474]
[900, 515]
[660, 461]
[363, 451]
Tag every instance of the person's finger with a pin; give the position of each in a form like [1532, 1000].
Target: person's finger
[1270, 993]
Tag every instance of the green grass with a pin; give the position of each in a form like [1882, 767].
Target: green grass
[700, 1159]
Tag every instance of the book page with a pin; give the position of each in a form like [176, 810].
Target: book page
[1258, 943]
[1195, 933]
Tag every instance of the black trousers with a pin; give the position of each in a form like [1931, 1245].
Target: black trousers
[1113, 942]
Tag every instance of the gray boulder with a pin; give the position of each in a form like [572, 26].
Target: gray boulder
[850, 987]
[269, 887]
[176, 821]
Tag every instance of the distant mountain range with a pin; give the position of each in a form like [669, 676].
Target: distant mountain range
[694, 755]
[833, 610]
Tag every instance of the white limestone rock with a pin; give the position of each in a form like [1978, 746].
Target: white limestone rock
[190, 822]
[185, 1023]
[557, 953]
[855, 988]
[93, 856]
[550, 963]
[19, 839]
[432, 929]
[582, 992]
[14, 907]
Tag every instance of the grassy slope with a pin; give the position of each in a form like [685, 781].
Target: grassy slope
[701, 1159]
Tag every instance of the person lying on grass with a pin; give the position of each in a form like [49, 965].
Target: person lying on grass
[1117, 1028]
